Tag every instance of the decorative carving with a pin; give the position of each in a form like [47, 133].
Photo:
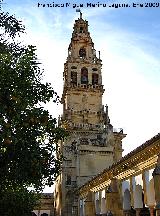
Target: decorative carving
[72, 147]
[98, 142]
[84, 141]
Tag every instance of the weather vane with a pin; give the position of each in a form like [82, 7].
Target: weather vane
[78, 10]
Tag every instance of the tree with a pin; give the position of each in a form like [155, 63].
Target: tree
[19, 202]
[28, 133]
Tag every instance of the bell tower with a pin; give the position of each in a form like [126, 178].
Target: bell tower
[82, 94]
[93, 144]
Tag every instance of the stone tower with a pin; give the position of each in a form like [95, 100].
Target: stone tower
[93, 145]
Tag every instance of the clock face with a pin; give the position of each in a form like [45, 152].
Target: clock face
[82, 52]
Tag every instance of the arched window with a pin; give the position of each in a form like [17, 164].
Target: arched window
[94, 79]
[84, 76]
[74, 77]
[81, 30]
[82, 52]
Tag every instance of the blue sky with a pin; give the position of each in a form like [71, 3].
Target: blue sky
[128, 39]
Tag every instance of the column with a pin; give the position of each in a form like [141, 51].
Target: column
[126, 197]
[90, 76]
[151, 196]
[145, 178]
[138, 203]
[126, 200]
[97, 206]
[103, 206]
[100, 200]
[81, 207]
[103, 202]
[156, 176]
[79, 75]
[132, 188]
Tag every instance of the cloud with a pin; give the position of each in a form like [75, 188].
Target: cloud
[130, 63]
[131, 88]
[130, 93]
[131, 78]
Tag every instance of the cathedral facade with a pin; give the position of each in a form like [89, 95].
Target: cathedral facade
[93, 144]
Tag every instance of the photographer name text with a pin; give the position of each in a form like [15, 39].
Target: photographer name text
[98, 5]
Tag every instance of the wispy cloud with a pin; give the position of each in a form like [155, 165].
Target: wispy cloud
[130, 54]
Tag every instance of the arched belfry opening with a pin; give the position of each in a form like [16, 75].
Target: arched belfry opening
[73, 77]
[84, 75]
[82, 52]
[81, 30]
[94, 79]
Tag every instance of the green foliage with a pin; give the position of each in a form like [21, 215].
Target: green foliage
[28, 133]
[17, 202]
[10, 25]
